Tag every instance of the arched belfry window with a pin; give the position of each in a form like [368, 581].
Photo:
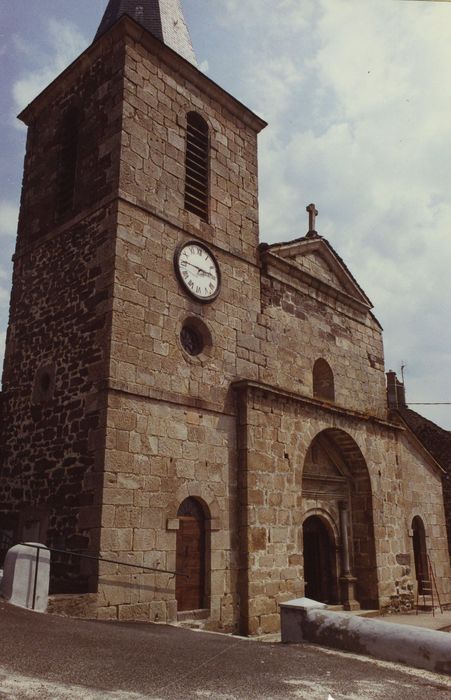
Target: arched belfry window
[323, 381]
[67, 164]
[196, 165]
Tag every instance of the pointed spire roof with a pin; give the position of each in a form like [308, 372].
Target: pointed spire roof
[162, 18]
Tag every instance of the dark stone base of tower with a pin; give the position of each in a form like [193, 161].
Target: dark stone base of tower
[242, 438]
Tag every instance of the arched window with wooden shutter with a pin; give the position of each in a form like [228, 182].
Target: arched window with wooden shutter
[197, 165]
[67, 164]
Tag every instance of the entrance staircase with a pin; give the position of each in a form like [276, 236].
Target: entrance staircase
[360, 613]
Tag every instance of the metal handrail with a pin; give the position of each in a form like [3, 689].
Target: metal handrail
[67, 552]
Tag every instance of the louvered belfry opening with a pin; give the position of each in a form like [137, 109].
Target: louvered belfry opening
[197, 162]
[67, 169]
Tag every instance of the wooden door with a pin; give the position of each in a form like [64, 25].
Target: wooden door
[420, 555]
[318, 570]
[190, 557]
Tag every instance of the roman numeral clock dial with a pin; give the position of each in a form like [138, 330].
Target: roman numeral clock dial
[198, 270]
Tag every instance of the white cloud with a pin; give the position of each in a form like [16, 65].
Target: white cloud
[8, 218]
[2, 346]
[359, 112]
[60, 45]
[276, 19]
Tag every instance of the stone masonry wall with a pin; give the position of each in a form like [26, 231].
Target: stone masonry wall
[157, 100]
[149, 304]
[52, 440]
[94, 85]
[57, 347]
[171, 425]
[301, 328]
[150, 308]
[422, 495]
[446, 481]
[278, 433]
[157, 455]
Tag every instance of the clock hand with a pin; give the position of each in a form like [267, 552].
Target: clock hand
[203, 272]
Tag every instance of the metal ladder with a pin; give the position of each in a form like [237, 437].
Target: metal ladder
[428, 586]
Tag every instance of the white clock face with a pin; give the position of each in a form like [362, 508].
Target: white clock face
[198, 270]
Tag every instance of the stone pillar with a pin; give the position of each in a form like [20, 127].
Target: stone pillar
[347, 580]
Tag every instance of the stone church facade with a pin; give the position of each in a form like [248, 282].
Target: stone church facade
[177, 395]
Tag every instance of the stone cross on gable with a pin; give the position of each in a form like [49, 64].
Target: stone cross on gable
[312, 214]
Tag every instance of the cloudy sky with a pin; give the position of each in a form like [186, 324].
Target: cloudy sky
[358, 99]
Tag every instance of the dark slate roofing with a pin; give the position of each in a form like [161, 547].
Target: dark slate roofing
[146, 13]
[436, 440]
[162, 18]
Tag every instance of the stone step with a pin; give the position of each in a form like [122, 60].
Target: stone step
[368, 613]
[193, 615]
[192, 624]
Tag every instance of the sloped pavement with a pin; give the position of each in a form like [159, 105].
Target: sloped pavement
[56, 658]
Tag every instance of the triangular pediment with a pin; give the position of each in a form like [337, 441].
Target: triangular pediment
[315, 257]
[317, 265]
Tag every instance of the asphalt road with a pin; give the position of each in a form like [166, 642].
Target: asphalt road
[55, 658]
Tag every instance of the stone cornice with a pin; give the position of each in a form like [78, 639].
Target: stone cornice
[140, 392]
[286, 395]
[193, 74]
[128, 28]
[81, 64]
[298, 278]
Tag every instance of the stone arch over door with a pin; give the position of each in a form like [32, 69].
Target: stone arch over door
[192, 555]
[420, 555]
[336, 479]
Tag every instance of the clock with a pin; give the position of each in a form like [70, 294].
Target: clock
[198, 270]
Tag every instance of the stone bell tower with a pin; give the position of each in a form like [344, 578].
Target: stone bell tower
[122, 344]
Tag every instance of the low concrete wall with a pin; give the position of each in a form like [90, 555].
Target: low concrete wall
[414, 646]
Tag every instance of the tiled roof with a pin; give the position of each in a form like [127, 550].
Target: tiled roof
[162, 18]
[436, 440]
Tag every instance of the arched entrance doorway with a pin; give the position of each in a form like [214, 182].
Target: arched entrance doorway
[191, 556]
[320, 570]
[336, 481]
[420, 555]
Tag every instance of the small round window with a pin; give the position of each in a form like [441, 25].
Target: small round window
[191, 339]
[195, 338]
